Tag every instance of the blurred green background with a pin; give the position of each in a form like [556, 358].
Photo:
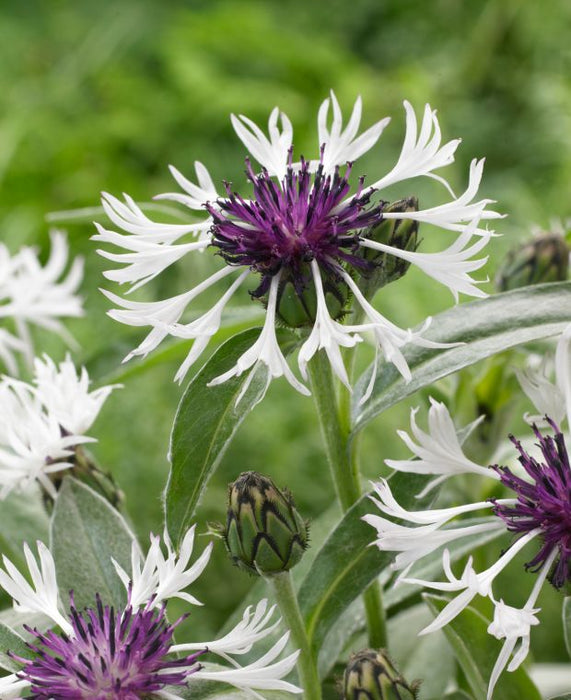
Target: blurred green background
[104, 95]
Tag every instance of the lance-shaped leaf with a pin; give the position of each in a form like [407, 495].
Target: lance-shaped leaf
[484, 327]
[205, 423]
[86, 532]
[567, 623]
[477, 652]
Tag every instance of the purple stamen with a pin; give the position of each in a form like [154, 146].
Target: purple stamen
[287, 225]
[109, 656]
[544, 502]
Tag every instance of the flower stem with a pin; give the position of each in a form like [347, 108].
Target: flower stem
[286, 598]
[335, 420]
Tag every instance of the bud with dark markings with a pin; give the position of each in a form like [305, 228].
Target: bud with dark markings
[264, 533]
[370, 675]
[399, 233]
[544, 258]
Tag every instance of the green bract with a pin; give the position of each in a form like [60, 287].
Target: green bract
[264, 532]
[545, 258]
[370, 675]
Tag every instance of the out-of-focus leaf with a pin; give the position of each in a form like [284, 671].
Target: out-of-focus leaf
[477, 653]
[85, 533]
[22, 519]
[10, 641]
[484, 327]
[206, 421]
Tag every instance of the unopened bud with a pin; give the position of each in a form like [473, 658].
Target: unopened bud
[543, 259]
[370, 675]
[264, 532]
[398, 233]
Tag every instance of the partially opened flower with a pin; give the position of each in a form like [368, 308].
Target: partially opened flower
[36, 294]
[42, 423]
[128, 651]
[305, 234]
[537, 511]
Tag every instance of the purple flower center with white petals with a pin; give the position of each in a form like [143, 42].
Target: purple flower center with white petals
[543, 503]
[288, 224]
[109, 656]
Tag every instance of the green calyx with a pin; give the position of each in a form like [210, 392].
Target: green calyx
[545, 258]
[370, 675]
[398, 233]
[264, 533]
[298, 309]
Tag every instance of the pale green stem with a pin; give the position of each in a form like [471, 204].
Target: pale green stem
[286, 599]
[335, 421]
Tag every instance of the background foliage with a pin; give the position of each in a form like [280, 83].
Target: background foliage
[103, 96]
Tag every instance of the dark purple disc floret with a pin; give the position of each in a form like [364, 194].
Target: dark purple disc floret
[543, 503]
[110, 656]
[287, 225]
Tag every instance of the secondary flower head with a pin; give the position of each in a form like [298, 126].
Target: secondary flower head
[41, 295]
[42, 423]
[537, 509]
[126, 653]
[306, 234]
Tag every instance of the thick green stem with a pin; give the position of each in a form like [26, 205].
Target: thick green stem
[335, 421]
[306, 663]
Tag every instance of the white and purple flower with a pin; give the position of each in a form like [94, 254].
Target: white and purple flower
[303, 233]
[537, 510]
[128, 652]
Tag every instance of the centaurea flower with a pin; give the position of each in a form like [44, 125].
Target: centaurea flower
[538, 511]
[103, 653]
[42, 423]
[36, 294]
[304, 234]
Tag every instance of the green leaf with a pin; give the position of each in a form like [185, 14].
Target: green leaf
[567, 696]
[22, 519]
[477, 653]
[206, 421]
[85, 533]
[10, 641]
[456, 695]
[346, 564]
[485, 327]
[199, 689]
[567, 623]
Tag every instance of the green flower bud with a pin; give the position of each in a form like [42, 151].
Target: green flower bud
[399, 233]
[370, 675]
[264, 532]
[545, 258]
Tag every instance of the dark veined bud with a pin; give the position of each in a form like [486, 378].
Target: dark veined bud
[264, 532]
[370, 675]
[545, 258]
[297, 308]
[399, 233]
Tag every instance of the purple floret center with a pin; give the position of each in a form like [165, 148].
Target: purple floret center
[109, 656]
[307, 216]
[543, 502]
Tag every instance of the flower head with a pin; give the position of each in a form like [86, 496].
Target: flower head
[306, 235]
[42, 423]
[538, 511]
[102, 653]
[39, 295]
[108, 655]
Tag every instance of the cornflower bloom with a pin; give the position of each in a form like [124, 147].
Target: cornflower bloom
[39, 295]
[538, 510]
[125, 653]
[307, 237]
[42, 423]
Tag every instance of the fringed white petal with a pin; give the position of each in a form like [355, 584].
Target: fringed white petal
[273, 153]
[421, 153]
[345, 146]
